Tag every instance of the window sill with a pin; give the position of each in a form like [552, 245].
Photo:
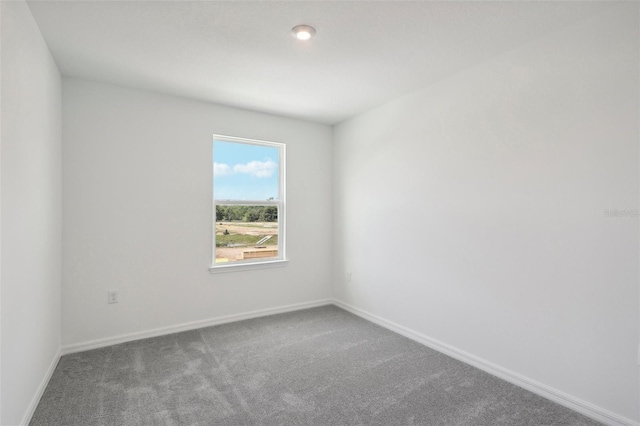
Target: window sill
[219, 269]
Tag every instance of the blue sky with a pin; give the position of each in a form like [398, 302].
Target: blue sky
[244, 171]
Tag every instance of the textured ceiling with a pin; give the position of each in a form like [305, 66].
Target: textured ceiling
[241, 53]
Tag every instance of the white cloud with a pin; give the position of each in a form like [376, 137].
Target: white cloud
[221, 169]
[261, 169]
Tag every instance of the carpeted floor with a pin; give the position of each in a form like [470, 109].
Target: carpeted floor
[320, 366]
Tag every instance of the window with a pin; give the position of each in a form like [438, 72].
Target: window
[248, 202]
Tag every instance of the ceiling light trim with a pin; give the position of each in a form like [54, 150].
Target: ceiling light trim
[303, 32]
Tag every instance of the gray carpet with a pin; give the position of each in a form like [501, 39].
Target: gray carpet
[320, 366]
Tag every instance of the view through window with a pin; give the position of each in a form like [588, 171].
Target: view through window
[248, 199]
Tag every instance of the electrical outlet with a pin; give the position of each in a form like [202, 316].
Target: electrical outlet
[112, 296]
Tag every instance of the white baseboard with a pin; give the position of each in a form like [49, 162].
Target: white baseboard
[114, 340]
[40, 391]
[569, 401]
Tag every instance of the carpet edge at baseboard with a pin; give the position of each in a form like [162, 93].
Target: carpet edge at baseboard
[192, 325]
[588, 409]
[31, 409]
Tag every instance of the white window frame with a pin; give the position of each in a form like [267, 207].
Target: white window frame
[269, 262]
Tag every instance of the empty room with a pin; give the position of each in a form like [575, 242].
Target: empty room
[320, 213]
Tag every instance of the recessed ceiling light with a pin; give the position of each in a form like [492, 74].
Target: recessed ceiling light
[303, 32]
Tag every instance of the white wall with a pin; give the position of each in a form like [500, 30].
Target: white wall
[138, 217]
[472, 211]
[31, 212]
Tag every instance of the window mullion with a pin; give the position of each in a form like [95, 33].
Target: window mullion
[247, 203]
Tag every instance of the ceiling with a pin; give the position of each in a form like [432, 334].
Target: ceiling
[241, 53]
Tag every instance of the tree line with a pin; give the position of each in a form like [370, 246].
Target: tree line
[247, 213]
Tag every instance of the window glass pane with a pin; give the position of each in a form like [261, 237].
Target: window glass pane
[245, 171]
[246, 232]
